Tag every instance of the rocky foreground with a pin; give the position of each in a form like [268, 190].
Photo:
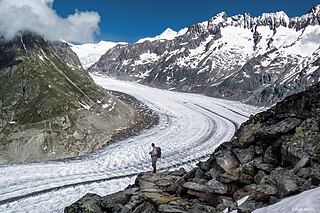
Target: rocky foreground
[275, 154]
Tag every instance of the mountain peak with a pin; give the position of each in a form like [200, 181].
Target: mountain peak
[315, 9]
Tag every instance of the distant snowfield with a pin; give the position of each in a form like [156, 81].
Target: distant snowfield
[91, 53]
[190, 128]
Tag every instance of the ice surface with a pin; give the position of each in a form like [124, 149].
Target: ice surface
[190, 128]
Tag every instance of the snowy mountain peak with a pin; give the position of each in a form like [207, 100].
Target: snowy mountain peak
[315, 9]
[168, 34]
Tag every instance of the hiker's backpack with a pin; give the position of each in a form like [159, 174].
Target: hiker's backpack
[158, 152]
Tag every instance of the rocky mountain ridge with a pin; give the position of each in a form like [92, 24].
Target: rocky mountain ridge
[275, 154]
[50, 107]
[259, 60]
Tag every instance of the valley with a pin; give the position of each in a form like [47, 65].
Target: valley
[190, 128]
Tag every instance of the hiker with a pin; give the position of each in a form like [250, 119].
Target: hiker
[154, 157]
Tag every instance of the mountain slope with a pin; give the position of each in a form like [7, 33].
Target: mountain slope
[50, 107]
[256, 59]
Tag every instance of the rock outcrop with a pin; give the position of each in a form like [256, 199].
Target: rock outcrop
[275, 154]
[50, 108]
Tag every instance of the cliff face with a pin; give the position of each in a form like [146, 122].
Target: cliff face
[49, 106]
[275, 154]
[259, 60]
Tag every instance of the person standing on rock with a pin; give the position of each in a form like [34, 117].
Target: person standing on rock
[154, 157]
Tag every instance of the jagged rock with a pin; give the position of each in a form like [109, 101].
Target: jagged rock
[272, 155]
[302, 163]
[89, 203]
[245, 135]
[258, 150]
[206, 166]
[286, 182]
[197, 208]
[287, 187]
[146, 207]
[199, 174]
[226, 160]
[245, 179]
[225, 202]
[244, 155]
[158, 198]
[197, 187]
[259, 176]
[248, 168]
[219, 188]
[170, 208]
[304, 173]
[190, 174]
[214, 172]
[263, 192]
[274, 131]
[302, 143]
[228, 178]
[180, 172]
[249, 205]
[240, 193]
[259, 164]
[175, 186]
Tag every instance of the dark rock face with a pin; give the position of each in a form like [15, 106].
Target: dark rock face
[227, 57]
[50, 108]
[258, 163]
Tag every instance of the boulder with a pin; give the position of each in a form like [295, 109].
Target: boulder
[287, 187]
[245, 179]
[171, 209]
[219, 188]
[180, 172]
[272, 155]
[244, 155]
[249, 205]
[175, 186]
[158, 198]
[263, 192]
[259, 176]
[302, 163]
[90, 203]
[285, 180]
[197, 187]
[199, 173]
[145, 207]
[259, 164]
[248, 168]
[245, 135]
[228, 178]
[274, 131]
[206, 166]
[240, 193]
[226, 160]
[197, 208]
[258, 150]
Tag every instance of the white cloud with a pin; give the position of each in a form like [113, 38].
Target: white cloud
[38, 16]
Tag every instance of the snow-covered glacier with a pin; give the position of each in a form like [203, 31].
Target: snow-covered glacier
[190, 128]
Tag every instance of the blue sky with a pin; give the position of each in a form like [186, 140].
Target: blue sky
[129, 20]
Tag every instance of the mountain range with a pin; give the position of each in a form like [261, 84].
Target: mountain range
[258, 60]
